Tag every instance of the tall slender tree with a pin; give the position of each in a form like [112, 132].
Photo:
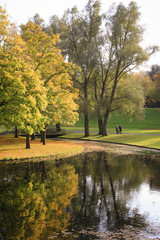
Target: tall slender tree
[78, 32]
[120, 53]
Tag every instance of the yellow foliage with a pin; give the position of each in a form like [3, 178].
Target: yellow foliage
[55, 74]
[19, 79]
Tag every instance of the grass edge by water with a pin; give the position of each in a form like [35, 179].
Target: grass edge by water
[12, 149]
[146, 141]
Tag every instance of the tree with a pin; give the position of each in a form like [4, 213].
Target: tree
[120, 53]
[153, 71]
[22, 95]
[154, 91]
[157, 84]
[55, 74]
[38, 20]
[54, 25]
[129, 98]
[78, 32]
[146, 82]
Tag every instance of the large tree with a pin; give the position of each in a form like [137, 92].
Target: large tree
[22, 95]
[78, 31]
[55, 74]
[120, 53]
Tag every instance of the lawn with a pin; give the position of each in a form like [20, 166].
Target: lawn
[151, 141]
[144, 132]
[151, 122]
[14, 148]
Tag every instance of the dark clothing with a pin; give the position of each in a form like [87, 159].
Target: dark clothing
[120, 129]
[117, 129]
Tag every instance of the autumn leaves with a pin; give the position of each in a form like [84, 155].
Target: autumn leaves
[35, 85]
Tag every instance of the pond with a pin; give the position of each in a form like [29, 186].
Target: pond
[89, 196]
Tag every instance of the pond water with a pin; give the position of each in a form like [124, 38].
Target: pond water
[90, 196]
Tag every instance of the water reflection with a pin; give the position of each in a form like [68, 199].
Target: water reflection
[33, 199]
[78, 197]
[106, 184]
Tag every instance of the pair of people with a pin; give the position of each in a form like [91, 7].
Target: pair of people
[119, 129]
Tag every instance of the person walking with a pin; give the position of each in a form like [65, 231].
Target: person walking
[117, 130]
[120, 129]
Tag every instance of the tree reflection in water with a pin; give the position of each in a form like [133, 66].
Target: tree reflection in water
[105, 186]
[34, 198]
[74, 198]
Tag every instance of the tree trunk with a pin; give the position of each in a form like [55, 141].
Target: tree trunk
[86, 124]
[33, 136]
[100, 125]
[41, 132]
[44, 137]
[28, 141]
[104, 130]
[86, 117]
[58, 127]
[16, 132]
[117, 217]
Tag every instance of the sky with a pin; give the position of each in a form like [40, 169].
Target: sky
[20, 11]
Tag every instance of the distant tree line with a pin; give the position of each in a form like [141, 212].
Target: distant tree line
[153, 97]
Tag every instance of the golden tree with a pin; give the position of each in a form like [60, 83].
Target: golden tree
[55, 73]
[22, 95]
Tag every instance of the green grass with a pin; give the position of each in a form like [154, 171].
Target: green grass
[151, 141]
[150, 125]
[150, 121]
[2, 129]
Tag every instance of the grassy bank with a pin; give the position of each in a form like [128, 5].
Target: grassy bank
[150, 122]
[12, 148]
[148, 131]
[151, 141]
[144, 132]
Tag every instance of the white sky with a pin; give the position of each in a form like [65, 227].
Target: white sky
[21, 10]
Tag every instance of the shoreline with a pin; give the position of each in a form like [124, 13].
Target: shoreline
[84, 147]
[113, 148]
